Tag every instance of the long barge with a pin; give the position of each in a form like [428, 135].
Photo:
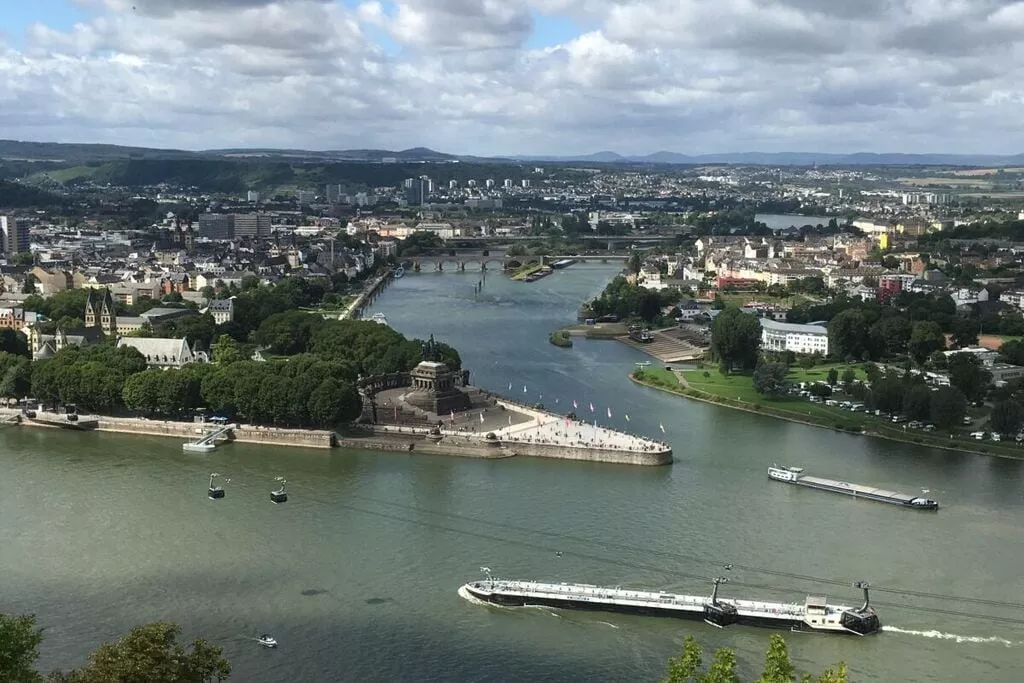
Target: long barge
[795, 475]
[815, 614]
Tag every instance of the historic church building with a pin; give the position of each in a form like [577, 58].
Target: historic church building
[100, 324]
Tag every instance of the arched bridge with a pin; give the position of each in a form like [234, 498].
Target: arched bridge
[440, 264]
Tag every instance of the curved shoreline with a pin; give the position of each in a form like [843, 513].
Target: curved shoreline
[697, 395]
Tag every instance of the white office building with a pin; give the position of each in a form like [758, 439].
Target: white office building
[806, 339]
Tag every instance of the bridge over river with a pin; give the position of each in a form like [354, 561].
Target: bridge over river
[462, 262]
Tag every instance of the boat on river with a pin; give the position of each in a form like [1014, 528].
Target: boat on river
[267, 640]
[379, 318]
[795, 475]
[813, 615]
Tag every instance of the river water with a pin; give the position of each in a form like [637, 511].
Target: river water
[356, 576]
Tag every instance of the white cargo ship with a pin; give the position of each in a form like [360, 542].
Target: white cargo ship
[795, 475]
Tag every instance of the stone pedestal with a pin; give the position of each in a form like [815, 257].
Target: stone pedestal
[433, 389]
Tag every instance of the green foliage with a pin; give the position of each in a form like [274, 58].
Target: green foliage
[849, 374]
[151, 653]
[19, 648]
[419, 242]
[887, 394]
[24, 196]
[197, 329]
[1007, 416]
[288, 333]
[92, 377]
[628, 301]
[949, 405]
[925, 339]
[735, 339]
[917, 402]
[890, 335]
[561, 338]
[967, 374]
[687, 667]
[67, 303]
[833, 377]
[1012, 352]
[770, 379]
[225, 351]
[848, 334]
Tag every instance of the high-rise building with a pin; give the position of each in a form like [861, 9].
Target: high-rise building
[452, 184]
[417, 190]
[525, 182]
[333, 194]
[253, 196]
[489, 183]
[255, 226]
[13, 235]
[305, 197]
[217, 226]
[508, 183]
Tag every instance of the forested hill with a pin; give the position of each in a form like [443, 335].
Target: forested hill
[239, 175]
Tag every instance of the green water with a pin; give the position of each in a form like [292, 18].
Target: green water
[356, 576]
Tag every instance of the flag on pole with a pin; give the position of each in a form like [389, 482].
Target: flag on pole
[662, 427]
[524, 388]
[574, 404]
[453, 416]
[609, 413]
[481, 417]
[591, 407]
[627, 417]
[556, 399]
[595, 424]
[396, 412]
[510, 420]
[510, 386]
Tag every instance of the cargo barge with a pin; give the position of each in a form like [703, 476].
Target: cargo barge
[563, 263]
[815, 614]
[795, 475]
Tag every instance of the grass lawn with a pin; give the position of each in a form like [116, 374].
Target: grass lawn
[738, 391]
[741, 299]
[819, 373]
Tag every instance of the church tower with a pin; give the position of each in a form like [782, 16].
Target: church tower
[190, 237]
[108, 315]
[91, 307]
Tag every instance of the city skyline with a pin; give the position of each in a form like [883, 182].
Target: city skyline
[523, 77]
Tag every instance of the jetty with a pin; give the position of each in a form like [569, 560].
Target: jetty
[209, 442]
[67, 420]
[815, 614]
[668, 345]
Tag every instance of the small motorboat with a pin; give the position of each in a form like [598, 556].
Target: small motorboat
[267, 640]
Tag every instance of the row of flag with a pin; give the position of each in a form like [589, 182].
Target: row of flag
[576, 406]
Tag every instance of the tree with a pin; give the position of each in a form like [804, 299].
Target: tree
[964, 332]
[17, 380]
[890, 335]
[735, 339]
[14, 342]
[807, 362]
[925, 338]
[1007, 416]
[777, 666]
[849, 374]
[949, 405]
[225, 350]
[1012, 352]
[917, 402]
[770, 379]
[634, 262]
[723, 668]
[29, 285]
[848, 334]
[887, 394]
[967, 374]
[833, 377]
[686, 667]
[19, 648]
[151, 653]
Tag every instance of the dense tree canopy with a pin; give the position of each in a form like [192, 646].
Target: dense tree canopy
[628, 301]
[688, 667]
[736, 339]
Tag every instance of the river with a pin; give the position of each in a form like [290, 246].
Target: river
[356, 576]
[782, 221]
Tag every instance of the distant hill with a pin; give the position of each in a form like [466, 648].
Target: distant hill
[72, 154]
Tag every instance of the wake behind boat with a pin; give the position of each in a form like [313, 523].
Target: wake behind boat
[815, 614]
[266, 640]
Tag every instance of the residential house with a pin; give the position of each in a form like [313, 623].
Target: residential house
[222, 310]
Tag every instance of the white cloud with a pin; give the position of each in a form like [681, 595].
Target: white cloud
[685, 75]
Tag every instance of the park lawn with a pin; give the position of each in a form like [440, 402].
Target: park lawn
[819, 373]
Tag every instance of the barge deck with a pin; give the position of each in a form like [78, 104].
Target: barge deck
[795, 475]
[815, 614]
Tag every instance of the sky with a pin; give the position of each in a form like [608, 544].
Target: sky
[507, 77]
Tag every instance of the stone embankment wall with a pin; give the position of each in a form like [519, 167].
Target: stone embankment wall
[621, 457]
[304, 438]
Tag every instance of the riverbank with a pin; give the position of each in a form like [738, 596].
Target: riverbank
[191, 431]
[815, 415]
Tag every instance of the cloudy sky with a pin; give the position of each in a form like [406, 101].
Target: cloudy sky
[518, 76]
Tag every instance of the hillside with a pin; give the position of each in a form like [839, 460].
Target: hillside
[236, 175]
